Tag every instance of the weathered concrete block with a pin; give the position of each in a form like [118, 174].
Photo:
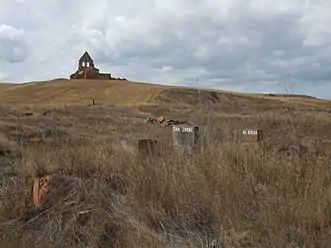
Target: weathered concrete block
[186, 138]
[251, 135]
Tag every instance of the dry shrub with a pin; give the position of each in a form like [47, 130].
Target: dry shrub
[228, 195]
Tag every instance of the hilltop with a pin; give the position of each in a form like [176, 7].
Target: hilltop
[64, 91]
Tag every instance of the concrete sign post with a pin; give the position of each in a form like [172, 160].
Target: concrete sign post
[251, 135]
[186, 138]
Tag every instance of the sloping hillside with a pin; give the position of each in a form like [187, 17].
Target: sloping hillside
[76, 91]
[63, 91]
[104, 193]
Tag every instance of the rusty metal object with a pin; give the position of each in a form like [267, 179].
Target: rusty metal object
[150, 120]
[162, 120]
[39, 188]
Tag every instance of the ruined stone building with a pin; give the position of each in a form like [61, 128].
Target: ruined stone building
[87, 70]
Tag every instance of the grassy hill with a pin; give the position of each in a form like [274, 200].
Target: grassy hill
[63, 91]
[77, 91]
[275, 193]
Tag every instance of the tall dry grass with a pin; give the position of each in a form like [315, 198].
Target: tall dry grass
[229, 195]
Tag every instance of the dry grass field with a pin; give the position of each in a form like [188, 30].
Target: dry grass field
[79, 92]
[273, 194]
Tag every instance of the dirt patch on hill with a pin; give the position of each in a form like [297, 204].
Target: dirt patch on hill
[189, 96]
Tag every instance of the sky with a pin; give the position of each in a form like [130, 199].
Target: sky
[263, 46]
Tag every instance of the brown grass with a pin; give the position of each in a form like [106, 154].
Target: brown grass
[78, 91]
[276, 194]
[63, 91]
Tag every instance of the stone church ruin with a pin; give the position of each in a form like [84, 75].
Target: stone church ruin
[87, 70]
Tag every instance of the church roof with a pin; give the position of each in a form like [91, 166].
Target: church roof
[86, 57]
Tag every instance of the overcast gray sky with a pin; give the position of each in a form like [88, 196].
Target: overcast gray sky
[241, 45]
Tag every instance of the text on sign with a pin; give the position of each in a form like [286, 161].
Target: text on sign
[250, 132]
[184, 129]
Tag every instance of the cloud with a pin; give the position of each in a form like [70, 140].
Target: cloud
[238, 45]
[12, 48]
